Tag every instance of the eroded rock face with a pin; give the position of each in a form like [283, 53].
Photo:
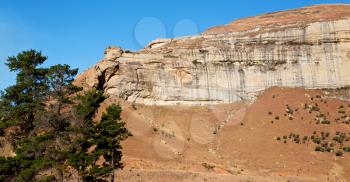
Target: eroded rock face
[232, 64]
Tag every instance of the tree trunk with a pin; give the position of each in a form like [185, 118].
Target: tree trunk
[112, 180]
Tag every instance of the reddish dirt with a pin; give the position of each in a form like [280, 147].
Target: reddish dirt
[179, 143]
[273, 21]
[255, 141]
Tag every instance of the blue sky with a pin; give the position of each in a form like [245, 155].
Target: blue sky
[77, 31]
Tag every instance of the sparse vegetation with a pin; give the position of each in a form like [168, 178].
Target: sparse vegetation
[323, 142]
[208, 166]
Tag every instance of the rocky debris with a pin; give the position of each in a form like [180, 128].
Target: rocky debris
[307, 47]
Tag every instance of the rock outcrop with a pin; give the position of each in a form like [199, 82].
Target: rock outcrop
[307, 47]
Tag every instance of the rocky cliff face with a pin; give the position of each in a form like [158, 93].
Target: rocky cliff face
[307, 47]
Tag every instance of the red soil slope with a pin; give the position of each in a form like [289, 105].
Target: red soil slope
[237, 142]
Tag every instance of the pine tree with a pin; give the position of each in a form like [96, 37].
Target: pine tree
[101, 139]
[25, 105]
[107, 136]
[21, 101]
[47, 138]
[59, 81]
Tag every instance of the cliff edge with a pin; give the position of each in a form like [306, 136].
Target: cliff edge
[307, 47]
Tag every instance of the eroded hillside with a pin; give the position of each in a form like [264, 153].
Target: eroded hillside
[240, 141]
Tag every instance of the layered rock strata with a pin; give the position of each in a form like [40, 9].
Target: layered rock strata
[307, 47]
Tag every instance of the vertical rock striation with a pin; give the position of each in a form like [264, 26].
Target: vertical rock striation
[307, 47]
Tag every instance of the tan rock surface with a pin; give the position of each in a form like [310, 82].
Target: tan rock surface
[307, 47]
[233, 67]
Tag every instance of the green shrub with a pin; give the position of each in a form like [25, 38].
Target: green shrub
[346, 149]
[88, 103]
[289, 110]
[318, 148]
[296, 140]
[106, 136]
[329, 149]
[339, 153]
[208, 166]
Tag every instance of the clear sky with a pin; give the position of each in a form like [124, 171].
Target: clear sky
[77, 31]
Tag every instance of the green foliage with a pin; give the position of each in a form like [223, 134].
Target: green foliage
[339, 153]
[8, 167]
[24, 169]
[21, 101]
[346, 149]
[26, 61]
[47, 179]
[30, 167]
[31, 156]
[104, 136]
[339, 137]
[47, 138]
[319, 149]
[22, 105]
[88, 103]
[59, 80]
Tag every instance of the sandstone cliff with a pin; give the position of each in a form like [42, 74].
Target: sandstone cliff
[307, 47]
